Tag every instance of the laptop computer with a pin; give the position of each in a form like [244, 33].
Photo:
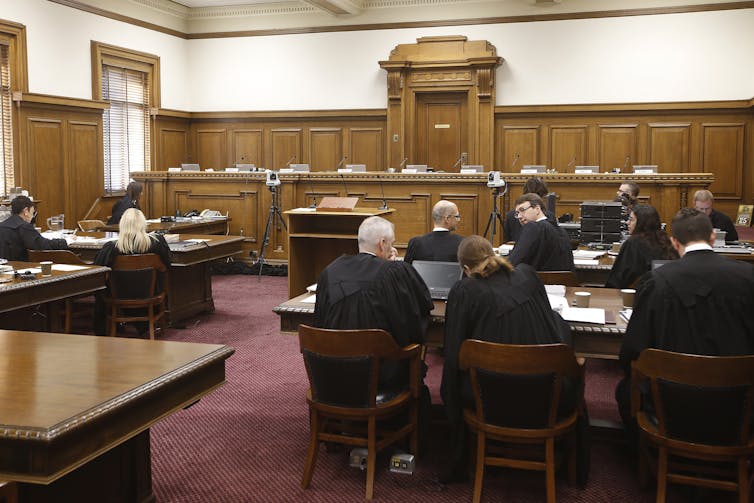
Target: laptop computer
[439, 276]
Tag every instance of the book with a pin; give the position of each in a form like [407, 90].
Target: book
[743, 217]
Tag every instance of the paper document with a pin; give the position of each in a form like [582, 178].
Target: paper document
[584, 314]
[588, 254]
[30, 270]
[312, 288]
[582, 261]
[504, 249]
[310, 299]
[557, 302]
[68, 267]
[559, 290]
[304, 210]
[626, 314]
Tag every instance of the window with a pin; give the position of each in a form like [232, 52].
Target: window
[13, 77]
[126, 79]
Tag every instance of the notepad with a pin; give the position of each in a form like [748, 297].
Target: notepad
[584, 314]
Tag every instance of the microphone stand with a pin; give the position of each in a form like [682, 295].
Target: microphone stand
[344, 184]
[384, 201]
[311, 188]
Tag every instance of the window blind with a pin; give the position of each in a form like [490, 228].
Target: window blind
[6, 126]
[126, 125]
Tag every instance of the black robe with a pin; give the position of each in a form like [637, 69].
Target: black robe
[701, 304]
[120, 207]
[543, 246]
[436, 245]
[635, 259]
[724, 223]
[17, 237]
[106, 257]
[364, 291]
[512, 226]
[508, 309]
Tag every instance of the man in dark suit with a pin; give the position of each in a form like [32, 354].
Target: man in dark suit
[704, 202]
[543, 246]
[442, 243]
[700, 304]
[18, 235]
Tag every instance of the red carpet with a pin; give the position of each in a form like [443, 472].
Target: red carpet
[246, 441]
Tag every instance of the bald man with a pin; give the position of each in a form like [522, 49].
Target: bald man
[442, 243]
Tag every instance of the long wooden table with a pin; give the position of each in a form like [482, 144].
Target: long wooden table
[189, 280]
[182, 225]
[589, 340]
[75, 411]
[36, 303]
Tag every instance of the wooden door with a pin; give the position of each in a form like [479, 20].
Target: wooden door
[441, 129]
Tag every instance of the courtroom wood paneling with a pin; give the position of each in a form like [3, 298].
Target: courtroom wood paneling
[47, 164]
[284, 144]
[85, 142]
[211, 149]
[617, 146]
[247, 146]
[326, 148]
[669, 146]
[520, 145]
[723, 154]
[442, 130]
[568, 147]
[171, 140]
[366, 146]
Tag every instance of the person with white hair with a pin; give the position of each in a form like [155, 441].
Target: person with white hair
[704, 202]
[442, 243]
[371, 290]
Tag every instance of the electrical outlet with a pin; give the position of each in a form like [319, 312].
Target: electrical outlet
[395, 138]
[402, 463]
[358, 458]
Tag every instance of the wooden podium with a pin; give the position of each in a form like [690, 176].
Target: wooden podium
[316, 238]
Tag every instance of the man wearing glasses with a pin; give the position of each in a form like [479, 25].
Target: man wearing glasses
[541, 244]
[703, 201]
[442, 243]
[17, 233]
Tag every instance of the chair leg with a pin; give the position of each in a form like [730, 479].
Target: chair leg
[550, 469]
[113, 325]
[643, 464]
[414, 418]
[743, 481]
[311, 455]
[481, 440]
[371, 455]
[68, 309]
[572, 448]
[151, 323]
[662, 474]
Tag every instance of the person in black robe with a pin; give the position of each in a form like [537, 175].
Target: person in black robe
[369, 290]
[129, 200]
[542, 245]
[18, 235]
[511, 225]
[442, 243]
[493, 302]
[132, 239]
[700, 304]
[648, 242]
[703, 201]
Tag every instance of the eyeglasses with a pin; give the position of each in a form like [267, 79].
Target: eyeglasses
[520, 211]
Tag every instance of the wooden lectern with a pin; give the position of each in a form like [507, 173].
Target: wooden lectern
[316, 238]
[337, 204]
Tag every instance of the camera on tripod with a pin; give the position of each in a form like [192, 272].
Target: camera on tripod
[272, 179]
[494, 180]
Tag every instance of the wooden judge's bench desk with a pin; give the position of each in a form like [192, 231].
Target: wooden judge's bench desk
[248, 200]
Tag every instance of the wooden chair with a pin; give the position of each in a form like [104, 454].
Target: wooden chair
[517, 400]
[133, 295]
[567, 278]
[699, 412]
[76, 307]
[8, 492]
[91, 225]
[345, 403]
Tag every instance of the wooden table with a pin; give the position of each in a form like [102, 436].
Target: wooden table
[76, 410]
[36, 303]
[589, 340]
[193, 226]
[189, 279]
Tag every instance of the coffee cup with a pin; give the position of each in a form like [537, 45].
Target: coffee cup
[628, 295]
[6, 273]
[46, 267]
[582, 299]
[616, 247]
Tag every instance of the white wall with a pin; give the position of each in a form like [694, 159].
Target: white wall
[679, 57]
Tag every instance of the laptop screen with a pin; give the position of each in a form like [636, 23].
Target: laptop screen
[439, 276]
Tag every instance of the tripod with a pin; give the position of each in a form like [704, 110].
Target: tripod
[495, 216]
[274, 210]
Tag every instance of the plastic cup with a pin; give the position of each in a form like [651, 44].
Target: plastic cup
[628, 295]
[582, 299]
[46, 267]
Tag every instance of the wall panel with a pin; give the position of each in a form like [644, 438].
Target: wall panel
[367, 147]
[285, 144]
[617, 146]
[520, 146]
[247, 146]
[83, 161]
[211, 148]
[568, 147]
[669, 146]
[722, 154]
[47, 162]
[326, 148]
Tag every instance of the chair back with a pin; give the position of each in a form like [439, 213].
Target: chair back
[57, 256]
[91, 225]
[519, 386]
[686, 388]
[135, 276]
[343, 366]
[567, 278]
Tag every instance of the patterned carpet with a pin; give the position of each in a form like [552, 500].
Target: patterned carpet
[246, 441]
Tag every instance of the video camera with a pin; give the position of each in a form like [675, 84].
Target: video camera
[494, 180]
[272, 179]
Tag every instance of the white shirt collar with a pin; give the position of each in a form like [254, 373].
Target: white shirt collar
[543, 217]
[697, 247]
[440, 229]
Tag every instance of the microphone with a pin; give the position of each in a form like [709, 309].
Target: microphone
[341, 162]
[344, 184]
[403, 163]
[625, 164]
[382, 187]
[314, 194]
[289, 161]
[515, 160]
[459, 161]
[573, 161]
